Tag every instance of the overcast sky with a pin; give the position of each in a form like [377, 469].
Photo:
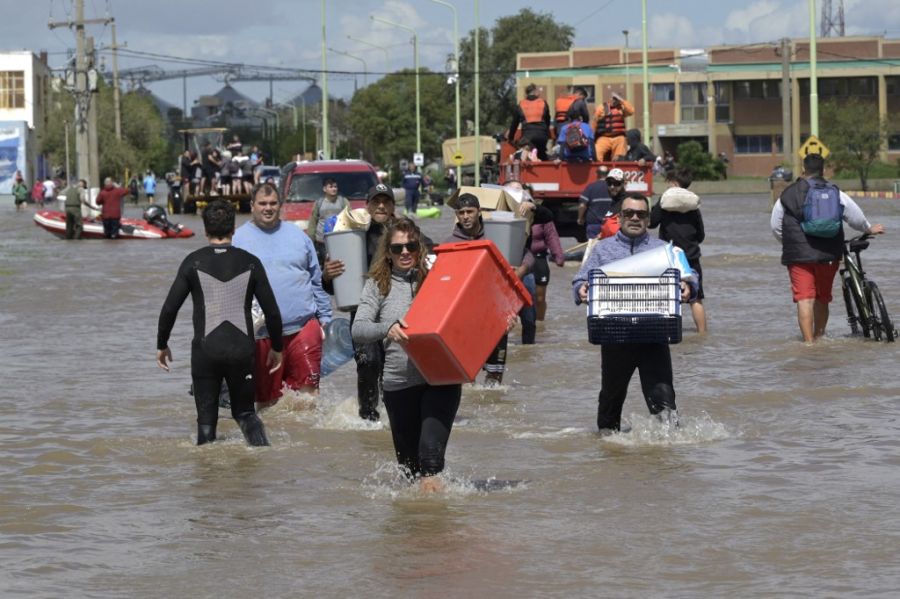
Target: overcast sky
[287, 33]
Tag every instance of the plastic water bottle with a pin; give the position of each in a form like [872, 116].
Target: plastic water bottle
[337, 349]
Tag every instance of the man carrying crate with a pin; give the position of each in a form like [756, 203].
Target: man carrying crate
[618, 362]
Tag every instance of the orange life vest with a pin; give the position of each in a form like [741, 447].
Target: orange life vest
[563, 103]
[533, 110]
[610, 226]
[612, 123]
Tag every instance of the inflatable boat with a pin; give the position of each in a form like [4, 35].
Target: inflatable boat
[154, 225]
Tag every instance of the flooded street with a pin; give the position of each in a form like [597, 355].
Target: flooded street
[783, 479]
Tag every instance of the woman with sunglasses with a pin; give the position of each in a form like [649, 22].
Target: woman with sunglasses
[421, 415]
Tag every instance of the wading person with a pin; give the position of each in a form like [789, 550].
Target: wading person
[289, 258]
[618, 362]
[330, 204]
[812, 256]
[369, 357]
[76, 197]
[421, 415]
[222, 280]
[110, 198]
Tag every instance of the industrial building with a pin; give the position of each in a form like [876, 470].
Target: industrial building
[728, 98]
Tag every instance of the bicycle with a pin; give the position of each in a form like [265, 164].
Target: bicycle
[866, 311]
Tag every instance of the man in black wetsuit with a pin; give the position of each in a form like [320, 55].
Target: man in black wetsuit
[222, 280]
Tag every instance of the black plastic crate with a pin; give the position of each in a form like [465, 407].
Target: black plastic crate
[634, 309]
[634, 328]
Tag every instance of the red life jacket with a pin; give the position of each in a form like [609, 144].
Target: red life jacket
[612, 123]
[563, 103]
[533, 110]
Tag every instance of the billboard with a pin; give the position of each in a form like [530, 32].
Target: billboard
[12, 152]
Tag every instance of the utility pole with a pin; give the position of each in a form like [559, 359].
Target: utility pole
[117, 107]
[786, 137]
[82, 84]
[93, 172]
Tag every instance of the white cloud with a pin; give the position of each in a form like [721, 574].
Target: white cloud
[669, 30]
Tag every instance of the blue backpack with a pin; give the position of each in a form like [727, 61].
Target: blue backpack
[822, 210]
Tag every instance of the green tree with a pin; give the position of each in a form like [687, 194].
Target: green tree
[526, 31]
[146, 142]
[855, 134]
[382, 118]
[703, 166]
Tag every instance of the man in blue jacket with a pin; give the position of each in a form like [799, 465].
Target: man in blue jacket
[618, 362]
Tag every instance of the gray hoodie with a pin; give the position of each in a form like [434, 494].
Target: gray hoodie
[376, 315]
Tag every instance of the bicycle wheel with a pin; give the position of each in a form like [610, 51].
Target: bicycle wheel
[852, 315]
[862, 308]
[883, 324]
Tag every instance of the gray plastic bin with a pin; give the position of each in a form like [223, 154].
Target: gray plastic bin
[509, 237]
[350, 247]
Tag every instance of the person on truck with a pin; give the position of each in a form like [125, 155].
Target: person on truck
[610, 118]
[575, 142]
[637, 149]
[534, 116]
[579, 107]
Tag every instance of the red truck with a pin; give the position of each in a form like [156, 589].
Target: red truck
[559, 184]
[302, 182]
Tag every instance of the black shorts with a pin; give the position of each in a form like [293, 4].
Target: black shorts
[541, 269]
[695, 264]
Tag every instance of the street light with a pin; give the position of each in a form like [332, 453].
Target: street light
[326, 151]
[477, 99]
[365, 67]
[387, 66]
[628, 93]
[416, 57]
[456, 63]
[646, 70]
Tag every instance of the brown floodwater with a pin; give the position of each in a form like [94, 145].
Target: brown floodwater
[782, 480]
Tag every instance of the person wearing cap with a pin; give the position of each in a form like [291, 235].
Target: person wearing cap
[579, 108]
[369, 357]
[533, 114]
[812, 261]
[600, 200]
[289, 257]
[618, 362]
[469, 227]
[610, 118]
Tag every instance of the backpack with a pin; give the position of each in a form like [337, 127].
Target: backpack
[575, 137]
[822, 210]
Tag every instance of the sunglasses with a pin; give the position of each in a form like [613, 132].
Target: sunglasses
[641, 214]
[397, 248]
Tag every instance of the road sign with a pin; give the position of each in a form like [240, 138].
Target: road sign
[813, 145]
[458, 158]
[419, 159]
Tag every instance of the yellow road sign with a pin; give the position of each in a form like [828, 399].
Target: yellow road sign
[458, 158]
[813, 145]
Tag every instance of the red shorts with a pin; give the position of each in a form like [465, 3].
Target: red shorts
[813, 280]
[301, 361]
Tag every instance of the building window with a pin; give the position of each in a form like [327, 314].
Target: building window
[842, 87]
[723, 101]
[693, 102]
[12, 89]
[893, 85]
[663, 92]
[894, 143]
[758, 90]
[752, 144]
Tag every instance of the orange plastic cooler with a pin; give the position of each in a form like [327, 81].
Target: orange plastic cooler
[460, 313]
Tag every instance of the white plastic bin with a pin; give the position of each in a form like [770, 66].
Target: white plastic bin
[349, 247]
[509, 236]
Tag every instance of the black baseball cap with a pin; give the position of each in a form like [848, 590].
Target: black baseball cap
[380, 190]
[468, 200]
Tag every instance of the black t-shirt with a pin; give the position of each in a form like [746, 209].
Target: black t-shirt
[598, 201]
